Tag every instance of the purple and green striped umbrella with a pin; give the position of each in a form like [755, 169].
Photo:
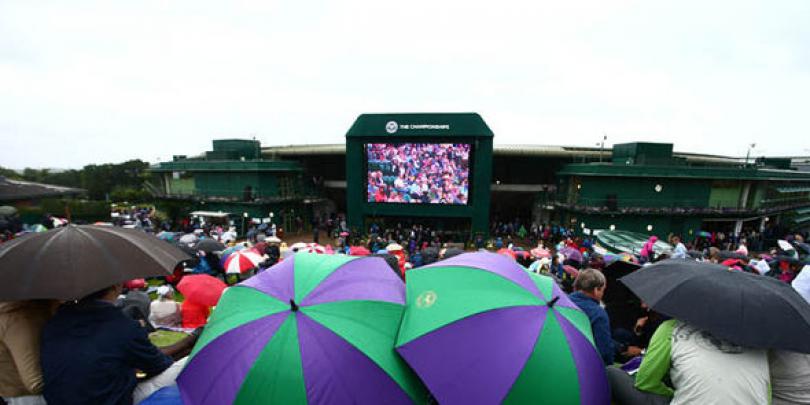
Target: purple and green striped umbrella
[312, 329]
[480, 329]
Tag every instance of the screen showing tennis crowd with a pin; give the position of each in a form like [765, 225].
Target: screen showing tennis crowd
[418, 173]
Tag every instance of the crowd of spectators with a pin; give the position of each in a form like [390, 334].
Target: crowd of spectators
[418, 173]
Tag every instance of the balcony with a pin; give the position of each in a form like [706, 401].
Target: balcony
[230, 196]
[684, 207]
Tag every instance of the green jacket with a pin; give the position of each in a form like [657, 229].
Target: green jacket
[655, 366]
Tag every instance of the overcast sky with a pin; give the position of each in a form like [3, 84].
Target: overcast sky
[105, 81]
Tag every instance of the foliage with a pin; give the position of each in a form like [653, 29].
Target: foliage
[10, 173]
[129, 194]
[100, 181]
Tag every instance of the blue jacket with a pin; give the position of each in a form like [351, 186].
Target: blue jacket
[90, 352]
[600, 324]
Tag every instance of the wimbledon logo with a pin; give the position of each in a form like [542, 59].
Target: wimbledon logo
[391, 127]
[426, 299]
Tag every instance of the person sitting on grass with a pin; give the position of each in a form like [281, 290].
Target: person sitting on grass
[90, 352]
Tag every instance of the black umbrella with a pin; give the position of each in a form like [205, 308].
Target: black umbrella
[622, 306]
[70, 262]
[450, 252]
[745, 309]
[187, 248]
[430, 255]
[788, 259]
[696, 254]
[209, 245]
[727, 254]
[613, 272]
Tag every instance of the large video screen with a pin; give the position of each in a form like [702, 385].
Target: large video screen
[418, 173]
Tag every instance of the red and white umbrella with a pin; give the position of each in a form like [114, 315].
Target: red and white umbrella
[313, 248]
[241, 261]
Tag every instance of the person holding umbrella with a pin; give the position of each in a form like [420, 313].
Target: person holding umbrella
[91, 350]
[702, 368]
[790, 371]
[716, 353]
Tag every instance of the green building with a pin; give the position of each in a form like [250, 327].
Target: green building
[426, 128]
[638, 187]
[645, 188]
[234, 178]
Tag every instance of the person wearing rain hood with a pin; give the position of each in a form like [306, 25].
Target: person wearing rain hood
[647, 253]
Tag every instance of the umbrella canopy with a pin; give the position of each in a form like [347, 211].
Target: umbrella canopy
[540, 253]
[695, 254]
[727, 254]
[273, 239]
[622, 306]
[162, 235]
[788, 259]
[343, 234]
[7, 210]
[311, 329]
[298, 245]
[745, 309]
[479, 329]
[188, 238]
[229, 251]
[616, 291]
[359, 251]
[186, 248]
[507, 252]
[430, 255]
[571, 254]
[785, 245]
[571, 271]
[312, 248]
[241, 261]
[201, 289]
[208, 245]
[393, 247]
[71, 262]
[450, 252]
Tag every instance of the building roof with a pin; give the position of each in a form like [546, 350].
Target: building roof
[337, 149]
[680, 171]
[226, 165]
[15, 190]
[420, 125]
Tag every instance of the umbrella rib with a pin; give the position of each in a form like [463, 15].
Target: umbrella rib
[154, 254]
